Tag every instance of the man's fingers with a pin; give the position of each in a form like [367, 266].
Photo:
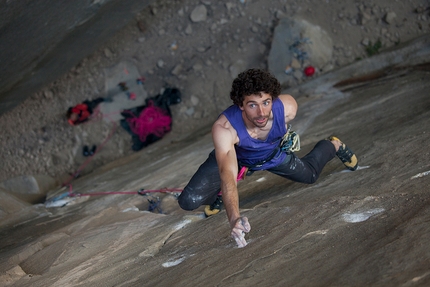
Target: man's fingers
[239, 237]
[238, 232]
[241, 242]
[245, 224]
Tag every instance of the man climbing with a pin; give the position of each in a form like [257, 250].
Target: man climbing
[253, 134]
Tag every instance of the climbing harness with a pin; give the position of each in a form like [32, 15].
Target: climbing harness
[289, 143]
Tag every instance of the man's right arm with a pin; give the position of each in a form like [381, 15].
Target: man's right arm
[224, 138]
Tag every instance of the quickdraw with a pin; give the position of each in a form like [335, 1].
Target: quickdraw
[290, 142]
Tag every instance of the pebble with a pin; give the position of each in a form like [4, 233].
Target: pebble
[189, 29]
[108, 53]
[295, 64]
[229, 6]
[199, 14]
[389, 17]
[365, 41]
[298, 75]
[197, 67]
[194, 100]
[223, 21]
[48, 94]
[364, 18]
[190, 111]
[177, 70]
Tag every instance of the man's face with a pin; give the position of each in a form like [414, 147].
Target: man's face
[257, 109]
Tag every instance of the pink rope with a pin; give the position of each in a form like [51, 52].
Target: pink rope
[76, 173]
[162, 190]
[152, 120]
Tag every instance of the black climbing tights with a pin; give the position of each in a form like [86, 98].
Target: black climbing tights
[204, 186]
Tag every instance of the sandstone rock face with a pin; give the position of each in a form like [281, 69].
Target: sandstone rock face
[302, 235]
[381, 208]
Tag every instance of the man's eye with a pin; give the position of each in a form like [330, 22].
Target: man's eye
[266, 103]
[252, 106]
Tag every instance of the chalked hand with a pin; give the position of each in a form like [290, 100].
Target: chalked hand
[238, 231]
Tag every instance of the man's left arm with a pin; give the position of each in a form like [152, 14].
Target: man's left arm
[290, 107]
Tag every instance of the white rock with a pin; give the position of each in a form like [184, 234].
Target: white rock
[364, 18]
[160, 63]
[177, 70]
[190, 111]
[389, 17]
[194, 100]
[229, 6]
[199, 14]
[189, 29]
[365, 41]
[48, 94]
[295, 64]
[298, 75]
[197, 67]
[108, 53]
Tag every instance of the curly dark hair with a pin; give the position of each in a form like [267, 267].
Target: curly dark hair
[253, 82]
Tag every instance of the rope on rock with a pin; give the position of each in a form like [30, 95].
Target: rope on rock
[97, 116]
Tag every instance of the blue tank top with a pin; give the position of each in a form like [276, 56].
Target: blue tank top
[250, 151]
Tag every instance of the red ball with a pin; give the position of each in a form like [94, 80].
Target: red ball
[309, 71]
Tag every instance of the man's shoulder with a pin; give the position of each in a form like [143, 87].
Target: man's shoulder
[223, 121]
[290, 106]
[287, 99]
[223, 125]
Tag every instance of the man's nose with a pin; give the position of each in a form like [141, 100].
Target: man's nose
[260, 110]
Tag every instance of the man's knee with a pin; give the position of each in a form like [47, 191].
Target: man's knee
[188, 202]
[307, 179]
[311, 179]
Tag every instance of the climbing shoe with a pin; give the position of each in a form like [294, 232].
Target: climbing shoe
[346, 155]
[93, 150]
[214, 208]
[85, 151]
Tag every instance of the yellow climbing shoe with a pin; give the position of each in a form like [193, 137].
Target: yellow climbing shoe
[346, 155]
[215, 207]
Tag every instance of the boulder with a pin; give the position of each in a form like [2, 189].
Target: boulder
[299, 39]
[29, 188]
